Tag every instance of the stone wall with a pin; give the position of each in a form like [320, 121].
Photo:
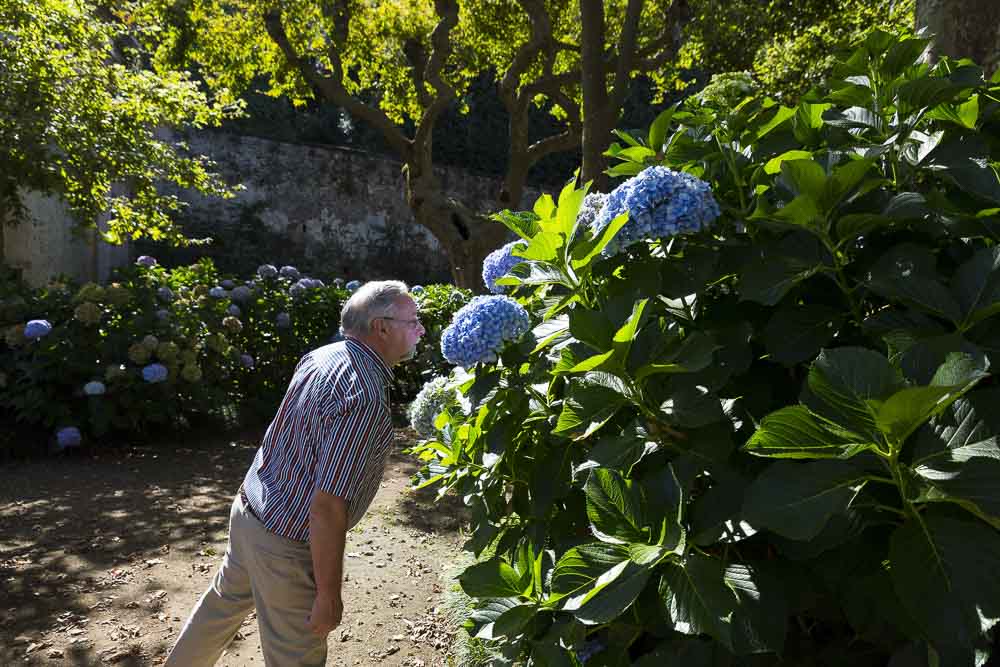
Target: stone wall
[339, 211]
[47, 244]
[343, 209]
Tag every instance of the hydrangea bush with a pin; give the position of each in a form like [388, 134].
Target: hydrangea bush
[173, 346]
[753, 422]
[428, 404]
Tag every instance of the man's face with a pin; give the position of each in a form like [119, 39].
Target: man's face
[404, 331]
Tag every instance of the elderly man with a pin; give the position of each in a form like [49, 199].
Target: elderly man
[313, 478]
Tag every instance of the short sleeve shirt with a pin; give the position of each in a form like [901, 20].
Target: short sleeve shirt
[332, 432]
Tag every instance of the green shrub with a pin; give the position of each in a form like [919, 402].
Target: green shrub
[771, 441]
[224, 347]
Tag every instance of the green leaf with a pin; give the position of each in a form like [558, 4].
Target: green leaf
[844, 179]
[589, 404]
[581, 566]
[805, 177]
[796, 333]
[492, 609]
[796, 500]
[543, 247]
[773, 166]
[544, 207]
[965, 160]
[691, 405]
[846, 386]
[659, 127]
[795, 433]
[960, 433]
[906, 410]
[976, 286]
[907, 273]
[665, 508]
[781, 115]
[760, 621]
[592, 327]
[973, 484]
[690, 355]
[586, 251]
[778, 266]
[490, 579]
[570, 200]
[943, 568]
[615, 508]
[510, 623]
[901, 55]
[698, 599]
[613, 592]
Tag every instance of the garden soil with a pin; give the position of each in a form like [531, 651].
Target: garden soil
[102, 557]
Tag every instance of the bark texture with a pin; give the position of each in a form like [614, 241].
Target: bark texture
[962, 29]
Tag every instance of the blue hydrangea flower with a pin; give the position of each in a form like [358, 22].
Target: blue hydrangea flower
[267, 271]
[353, 285]
[163, 315]
[313, 283]
[68, 436]
[417, 290]
[434, 396]
[480, 328]
[36, 329]
[297, 291]
[289, 272]
[94, 388]
[590, 208]
[283, 320]
[228, 284]
[146, 260]
[498, 264]
[242, 294]
[218, 292]
[154, 373]
[165, 294]
[234, 310]
[246, 361]
[660, 203]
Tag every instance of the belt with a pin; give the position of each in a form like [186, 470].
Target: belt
[246, 503]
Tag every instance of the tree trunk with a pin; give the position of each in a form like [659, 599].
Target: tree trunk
[597, 125]
[466, 236]
[962, 29]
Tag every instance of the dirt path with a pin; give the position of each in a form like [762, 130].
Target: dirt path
[102, 559]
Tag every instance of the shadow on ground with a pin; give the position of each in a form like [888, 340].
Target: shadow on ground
[75, 530]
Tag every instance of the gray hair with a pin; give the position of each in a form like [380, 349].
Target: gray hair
[373, 299]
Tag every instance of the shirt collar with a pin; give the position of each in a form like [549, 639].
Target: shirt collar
[377, 362]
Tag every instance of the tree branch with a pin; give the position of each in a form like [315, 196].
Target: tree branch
[332, 87]
[445, 93]
[626, 53]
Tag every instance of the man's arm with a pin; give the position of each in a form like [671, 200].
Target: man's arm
[327, 536]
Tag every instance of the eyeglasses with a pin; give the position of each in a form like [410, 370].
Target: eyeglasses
[413, 323]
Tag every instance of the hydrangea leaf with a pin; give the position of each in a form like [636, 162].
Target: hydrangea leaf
[943, 570]
[795, 433]
[698, 598]
[796, 500]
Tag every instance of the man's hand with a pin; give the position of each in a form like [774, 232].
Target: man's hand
[326, 614]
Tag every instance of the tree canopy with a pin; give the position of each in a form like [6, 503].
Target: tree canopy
[82, 117]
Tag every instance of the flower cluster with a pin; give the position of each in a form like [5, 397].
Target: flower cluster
[498, 264]
[68, 436]
[94, 388]
[36, 329]
[660, 203]
[154, 373]
[283, 320]
[146, 260]
[267, 271]
[727, 89]
[247, 361]
[480, 328]
[417, 290]
[590, 208]
[353, 285]
[165, 294]
[242, 293]
[289, 272]
[218, 292]
[432, 399]
[87, 312]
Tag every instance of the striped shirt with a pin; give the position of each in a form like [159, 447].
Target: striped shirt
[332, 432]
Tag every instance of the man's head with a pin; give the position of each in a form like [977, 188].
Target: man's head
[382, 315]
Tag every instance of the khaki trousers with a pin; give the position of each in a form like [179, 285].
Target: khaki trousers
[262, 570]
